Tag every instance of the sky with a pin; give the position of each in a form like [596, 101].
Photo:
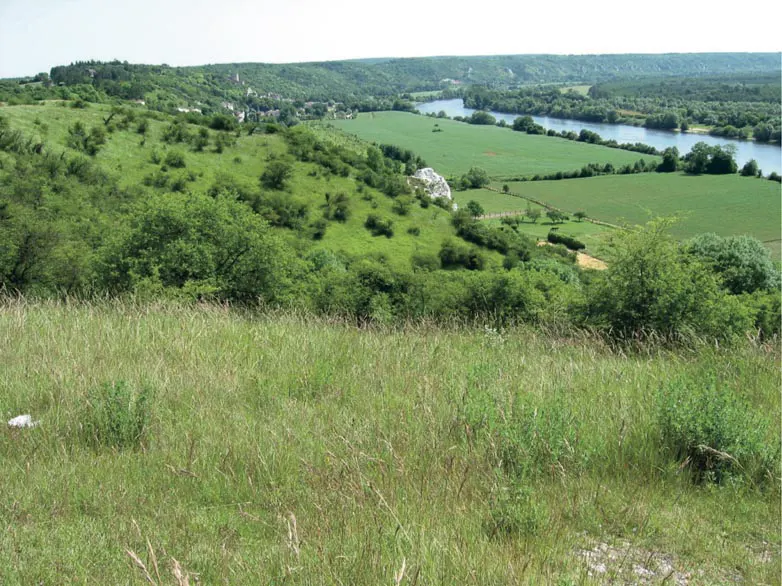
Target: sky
[36, 35]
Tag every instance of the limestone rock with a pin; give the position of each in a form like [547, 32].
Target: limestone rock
[435, 184]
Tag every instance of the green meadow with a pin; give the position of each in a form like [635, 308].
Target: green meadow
[500, 151]
[285, 449]
[723, 204]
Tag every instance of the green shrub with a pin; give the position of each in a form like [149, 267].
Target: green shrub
[572, 243]
[379, 226]
[706, 427]
[175, 159]
[116, 416]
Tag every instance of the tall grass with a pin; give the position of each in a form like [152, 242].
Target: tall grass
[284, 448]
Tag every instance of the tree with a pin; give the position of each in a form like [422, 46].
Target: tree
[670, 161]
[475, 178]
[714, 160]
[474, 208]
[580, 215]
[556, 216]
[482, 118]
[750, 168]
[533, 214]
[505, 188]
[276, 175]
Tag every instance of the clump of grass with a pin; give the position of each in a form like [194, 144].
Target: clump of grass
[514, 511]
[116, 416]
[706, 427]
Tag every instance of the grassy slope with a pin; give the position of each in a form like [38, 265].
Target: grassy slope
[502, 152]
[359, 435]
[725, 205]
[124, 156]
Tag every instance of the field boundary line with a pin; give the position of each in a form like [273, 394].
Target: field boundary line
[547, 206]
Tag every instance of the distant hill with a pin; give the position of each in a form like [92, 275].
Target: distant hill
[210, 85]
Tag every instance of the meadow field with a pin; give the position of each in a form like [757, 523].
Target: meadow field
[282, 448]
[500, 151]
[724, 204]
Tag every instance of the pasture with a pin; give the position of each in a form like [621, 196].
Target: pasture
[723, 204]
[502, 152]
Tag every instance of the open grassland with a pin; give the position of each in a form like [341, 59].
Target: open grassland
[283, 449]
[129, 156]
[500, 151]
[723, 204]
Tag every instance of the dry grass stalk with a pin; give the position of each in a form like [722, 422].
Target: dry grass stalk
[400, 575]
[140, 565]
[293, 535]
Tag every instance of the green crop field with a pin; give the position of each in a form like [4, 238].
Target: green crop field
[280, 449]
[723, 204]
[502, 152]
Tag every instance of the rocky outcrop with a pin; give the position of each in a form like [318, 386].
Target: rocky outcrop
[435, 184]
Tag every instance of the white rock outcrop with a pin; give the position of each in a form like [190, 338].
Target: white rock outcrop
[435, 184]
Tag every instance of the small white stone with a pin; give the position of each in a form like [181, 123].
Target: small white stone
[23, 421]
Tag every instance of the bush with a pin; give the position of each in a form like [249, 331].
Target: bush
[175, 159]
[706, 427]
[555, 237]
[743, 262]
[379, 226]
[116, 416]
[653, 284]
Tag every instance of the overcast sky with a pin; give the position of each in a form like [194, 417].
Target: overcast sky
[38, 34]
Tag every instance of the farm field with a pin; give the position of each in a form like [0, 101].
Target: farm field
[280, 448]
[726, 205]
[500, 151]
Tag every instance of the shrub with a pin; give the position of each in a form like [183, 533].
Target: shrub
[116, 416]
[743, 262]
[379, 226]
[414, 230]
[706, 427]
[319, 228]
[175, 159]
[652, 284]
[555, 237]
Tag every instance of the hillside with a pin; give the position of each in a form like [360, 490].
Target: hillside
[129, 158]
[246, 84]
[276, 448]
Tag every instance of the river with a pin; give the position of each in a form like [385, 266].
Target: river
[768, 156]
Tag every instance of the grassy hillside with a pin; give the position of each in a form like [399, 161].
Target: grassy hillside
[500, 151]
[130, 157]
[287, 449]
[726, 204]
